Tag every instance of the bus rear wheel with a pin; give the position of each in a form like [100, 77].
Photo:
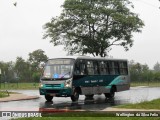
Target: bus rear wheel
[48, 97]
[111, 94]
[75, 96]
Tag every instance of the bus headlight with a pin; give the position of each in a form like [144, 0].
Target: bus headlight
[40, 85]
[68, 83]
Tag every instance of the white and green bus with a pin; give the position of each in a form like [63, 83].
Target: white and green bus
[74, 76]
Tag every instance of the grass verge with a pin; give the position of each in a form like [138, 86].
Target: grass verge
[150, 84]
[3, 94]
[6, 93]
[154, 104]
[16, 86]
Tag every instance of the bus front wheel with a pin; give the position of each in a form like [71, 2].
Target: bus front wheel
[48, 97]
[75, 96]
[111, 94]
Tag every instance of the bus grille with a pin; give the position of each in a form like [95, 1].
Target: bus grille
[52, 85]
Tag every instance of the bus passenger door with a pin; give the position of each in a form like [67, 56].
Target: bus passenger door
[81, 78]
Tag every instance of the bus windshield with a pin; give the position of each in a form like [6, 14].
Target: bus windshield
[58, 68]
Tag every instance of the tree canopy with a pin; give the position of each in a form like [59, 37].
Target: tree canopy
[93, 26]
[157, 67]
[36, 57]
[23, 70]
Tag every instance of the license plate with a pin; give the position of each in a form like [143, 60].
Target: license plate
[52, 94]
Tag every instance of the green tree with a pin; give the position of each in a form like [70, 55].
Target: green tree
[157, 67]
[93, 26]
[156, 76]
[36, 57]
[22, 69]
[36, 76]
[139, 72]
[7, 69]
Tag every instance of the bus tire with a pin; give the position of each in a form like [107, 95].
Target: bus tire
[112, 93]
[48, 97]
[75, 96]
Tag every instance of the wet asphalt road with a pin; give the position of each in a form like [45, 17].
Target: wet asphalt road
[99, 102]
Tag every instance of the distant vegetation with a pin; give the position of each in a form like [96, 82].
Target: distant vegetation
[140, 73]
[23, 70]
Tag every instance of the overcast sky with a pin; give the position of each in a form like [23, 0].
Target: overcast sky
[21, 30]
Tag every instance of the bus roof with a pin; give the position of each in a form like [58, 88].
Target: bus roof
[88, 58]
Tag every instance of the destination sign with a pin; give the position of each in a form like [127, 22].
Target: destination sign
[60, 61]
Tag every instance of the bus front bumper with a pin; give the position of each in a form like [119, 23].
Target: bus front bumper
[65, 92]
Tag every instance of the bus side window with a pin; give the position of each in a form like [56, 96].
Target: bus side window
[107, 68]
[116, 68]
[95, 67]
[102, 68]
[111, 68]
[123, 68]
[77, 69]
[80, 68]
[90, 68]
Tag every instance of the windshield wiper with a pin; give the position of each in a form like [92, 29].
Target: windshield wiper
[65, 74]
